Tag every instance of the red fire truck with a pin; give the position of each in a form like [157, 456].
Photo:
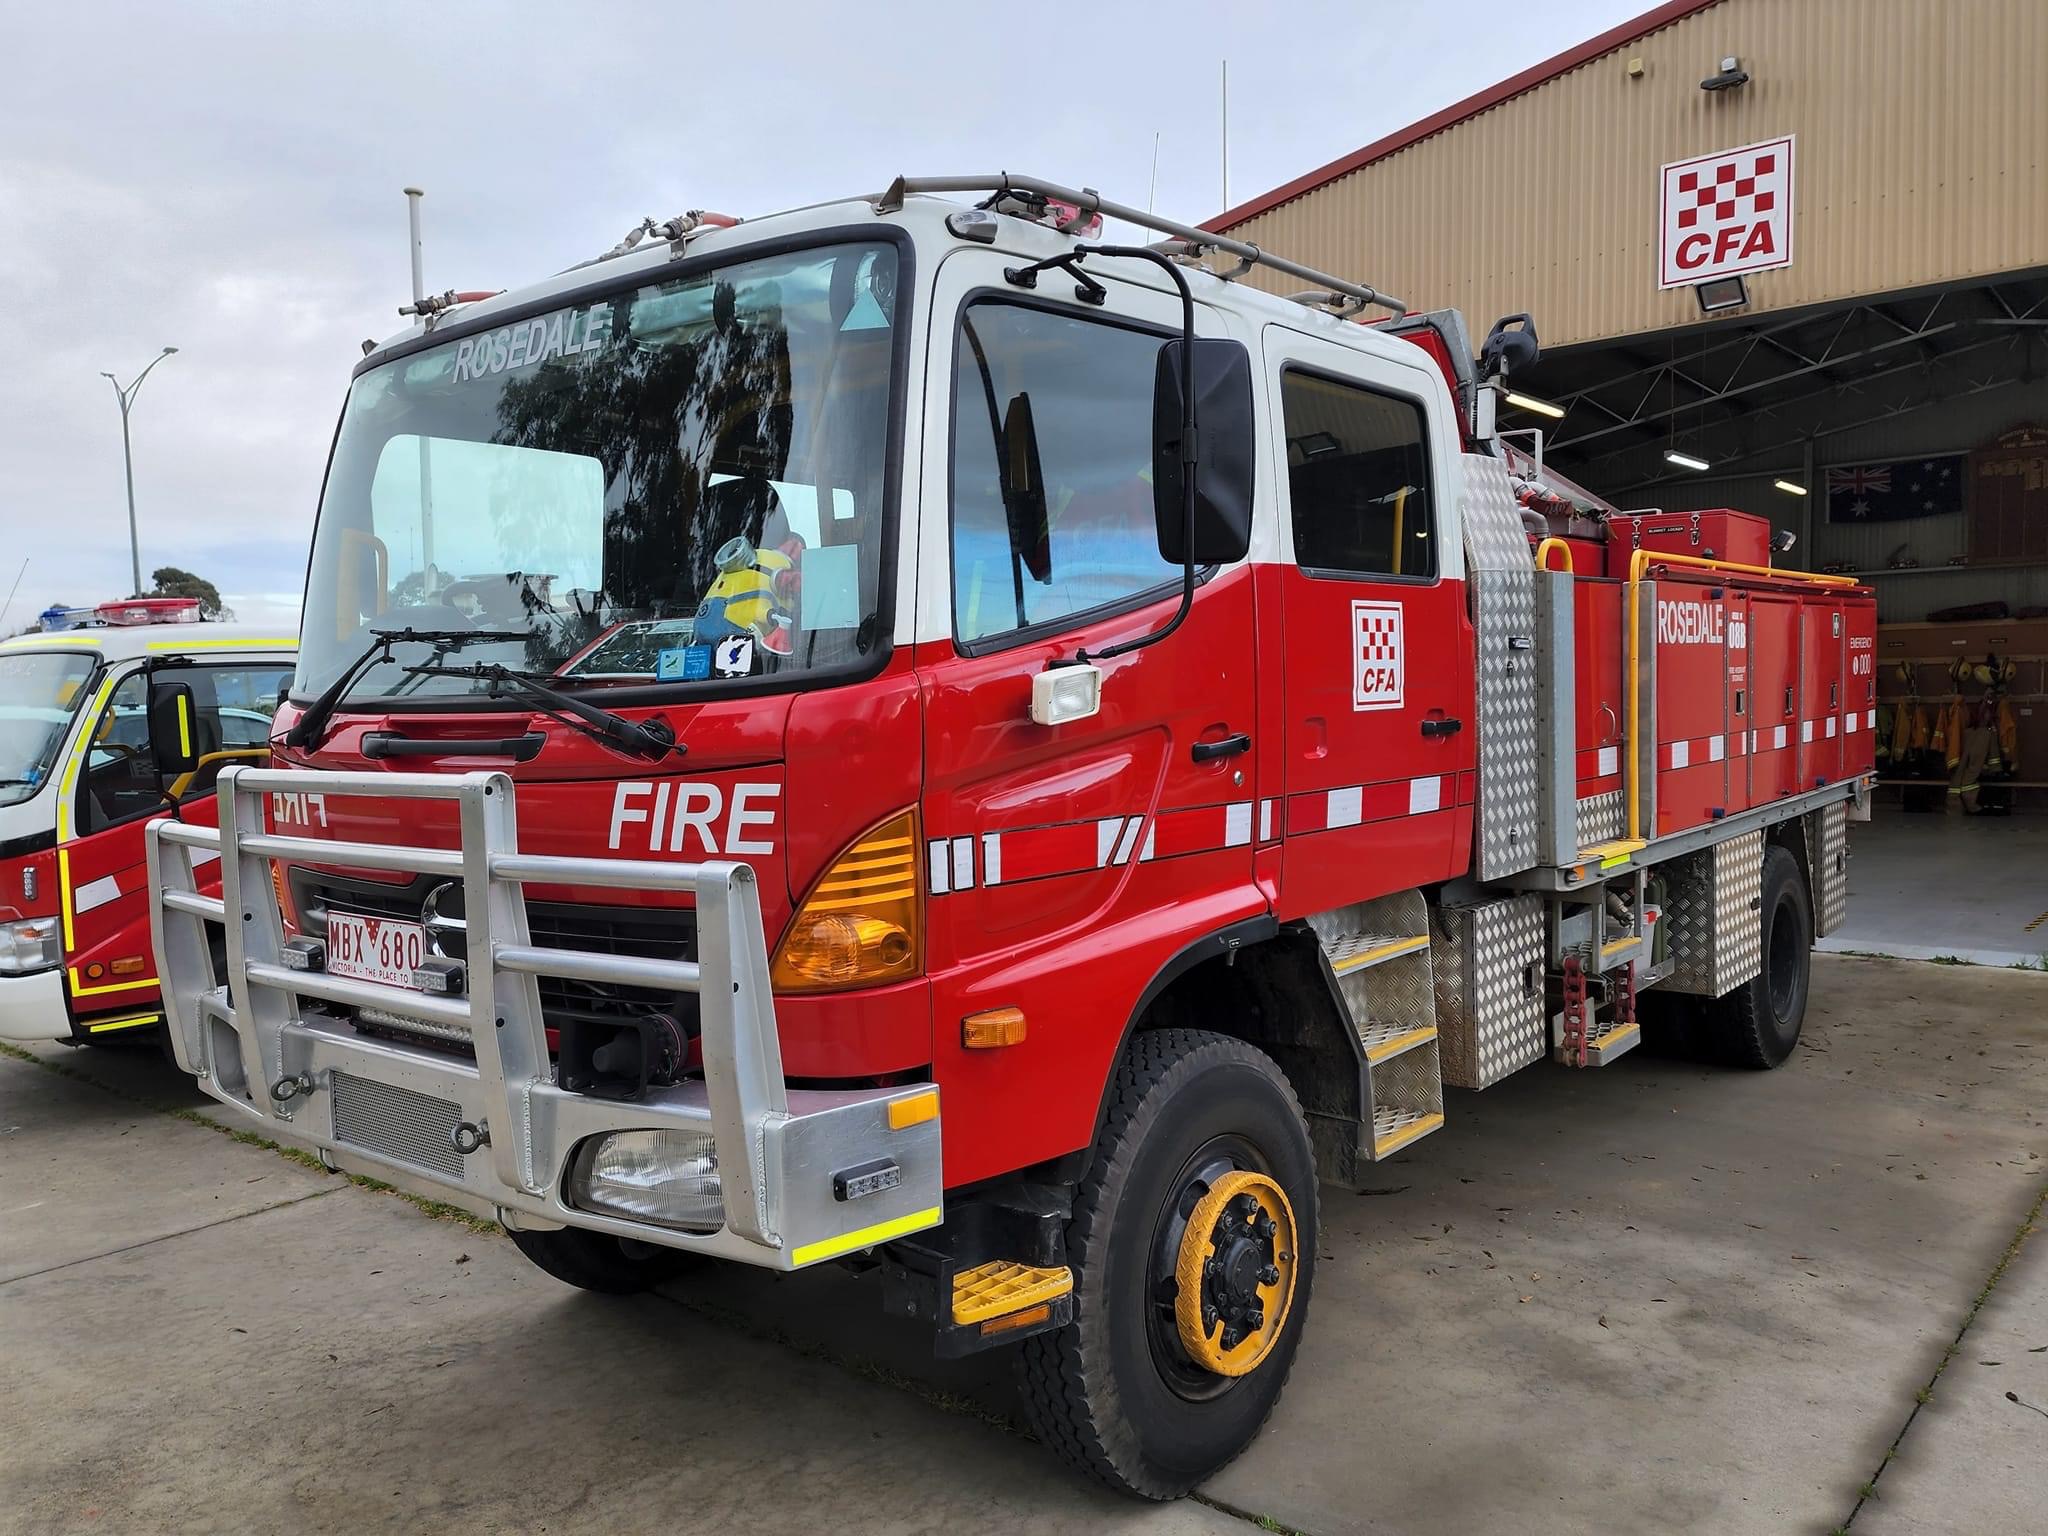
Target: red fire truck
[903, 733]
[129, 707]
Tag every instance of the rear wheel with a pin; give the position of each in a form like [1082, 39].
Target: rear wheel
[597, 1261]
[1757, 1024]
[1193, 1242]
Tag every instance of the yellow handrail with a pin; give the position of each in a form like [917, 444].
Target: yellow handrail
[1543, 554]
[1638, 563]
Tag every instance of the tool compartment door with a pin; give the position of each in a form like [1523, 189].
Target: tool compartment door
[1692, 704]
[1822, 645]
[1740, 694]
[1773, 759]
[1373, 641]
[1859, 688]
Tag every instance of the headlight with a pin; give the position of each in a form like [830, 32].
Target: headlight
[32, 944]
[669, 1178]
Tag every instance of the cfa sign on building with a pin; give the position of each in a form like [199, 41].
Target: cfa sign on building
[1726, 213]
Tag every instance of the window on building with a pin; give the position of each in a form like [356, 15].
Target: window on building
[1358, 479]
[1036, 544]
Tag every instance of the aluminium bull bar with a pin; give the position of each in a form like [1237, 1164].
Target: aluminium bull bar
[498, 1129]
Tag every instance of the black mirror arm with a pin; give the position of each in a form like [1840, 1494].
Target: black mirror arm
[1188, 452]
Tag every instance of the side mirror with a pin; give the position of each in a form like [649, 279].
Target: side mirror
[1225, 436]
[1024, 489]
[173, 729]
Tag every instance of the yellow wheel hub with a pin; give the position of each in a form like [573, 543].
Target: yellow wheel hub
[1234, 1278]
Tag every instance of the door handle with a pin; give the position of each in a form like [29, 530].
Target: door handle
[383, 744]
[1447, 727]
[1229, 746]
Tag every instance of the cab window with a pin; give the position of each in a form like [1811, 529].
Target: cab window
[231, 706]
[1052, 469]
[1358, 482]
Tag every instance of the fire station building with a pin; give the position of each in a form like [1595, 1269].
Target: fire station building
[1788, 256]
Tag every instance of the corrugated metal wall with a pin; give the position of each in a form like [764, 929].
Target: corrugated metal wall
[1922, 157]
[1949, 426]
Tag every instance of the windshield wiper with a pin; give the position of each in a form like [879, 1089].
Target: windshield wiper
[307, 729]
[641, 738]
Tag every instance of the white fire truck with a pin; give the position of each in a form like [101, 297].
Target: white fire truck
[903, 733]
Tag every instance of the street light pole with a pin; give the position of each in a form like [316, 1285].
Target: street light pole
[126, 397]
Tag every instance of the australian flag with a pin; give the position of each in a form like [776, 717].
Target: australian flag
[1887, 493]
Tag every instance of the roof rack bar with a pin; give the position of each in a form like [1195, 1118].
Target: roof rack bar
[1093, 202]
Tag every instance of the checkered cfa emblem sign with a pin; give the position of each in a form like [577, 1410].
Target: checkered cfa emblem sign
[1376, 668]
[1726, 213]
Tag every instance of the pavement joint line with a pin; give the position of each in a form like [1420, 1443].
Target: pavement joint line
[2027, 1227]
[165, 1237]
[437, 1209]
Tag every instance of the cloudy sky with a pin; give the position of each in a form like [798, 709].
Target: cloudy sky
[226, 179]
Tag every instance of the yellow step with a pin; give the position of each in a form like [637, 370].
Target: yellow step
[1393, 1129]
[1385, 1041]
[1360, 950]
[1000, 1287]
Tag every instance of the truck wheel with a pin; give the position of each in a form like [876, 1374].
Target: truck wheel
[1757, 1024]
[1193, 1242]
[597, 1261]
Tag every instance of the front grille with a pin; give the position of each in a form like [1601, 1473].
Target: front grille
[407, 1127]
[663, 933]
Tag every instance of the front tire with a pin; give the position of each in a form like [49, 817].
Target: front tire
[597, 1261]
[1757, 1025]
[1193, 1243]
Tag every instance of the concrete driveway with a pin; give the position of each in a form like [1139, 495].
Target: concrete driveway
[1647, 1297]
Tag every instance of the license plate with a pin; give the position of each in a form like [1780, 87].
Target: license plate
[374, 948]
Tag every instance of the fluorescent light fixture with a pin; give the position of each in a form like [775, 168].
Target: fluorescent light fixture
[1684, 460]
[1540, 407]
[1719, 293]
[1789, 488]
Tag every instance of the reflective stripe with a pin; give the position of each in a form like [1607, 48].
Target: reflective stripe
[95, 893]
[866, 1237]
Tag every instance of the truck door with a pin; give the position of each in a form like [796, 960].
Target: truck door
[116, 790]
[1375, 645]
[1128, 835]
[1774, 698]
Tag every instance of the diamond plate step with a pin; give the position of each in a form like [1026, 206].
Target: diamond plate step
[1383, 1042]
[1617, 1040]
[1393, 1129]
[1357, 951]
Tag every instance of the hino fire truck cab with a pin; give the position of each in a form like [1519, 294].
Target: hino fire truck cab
[124, 710]
[903, 733]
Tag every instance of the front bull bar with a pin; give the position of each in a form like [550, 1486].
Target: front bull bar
[253, 1044]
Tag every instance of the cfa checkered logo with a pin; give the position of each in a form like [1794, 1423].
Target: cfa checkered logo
[1376, 667]
[1726, 213]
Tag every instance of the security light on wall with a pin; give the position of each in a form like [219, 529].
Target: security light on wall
[1719, 293]
[1730, 77]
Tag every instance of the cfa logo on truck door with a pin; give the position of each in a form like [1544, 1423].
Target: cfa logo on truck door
[1726, 213]
[1376, 666]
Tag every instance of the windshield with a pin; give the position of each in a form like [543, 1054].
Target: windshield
[39, 693]
[677, 483]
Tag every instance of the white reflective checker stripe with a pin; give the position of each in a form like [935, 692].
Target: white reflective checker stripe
[1716, 749]
[1425, 795]
[1735, 741]
[1831, 727]
[95, 893]
[1610, 761]
[1806, 730]
[1778, 736]
[991, 858]
[1849, 724]
[1145, 853]
[1347, 807]
[1681, 753]
[1752, 741]
[963, 863]
[1265, 821]
[1106, 831]
[1237, 824]
[1871, 719]
[1128, 841]
[941, 866]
